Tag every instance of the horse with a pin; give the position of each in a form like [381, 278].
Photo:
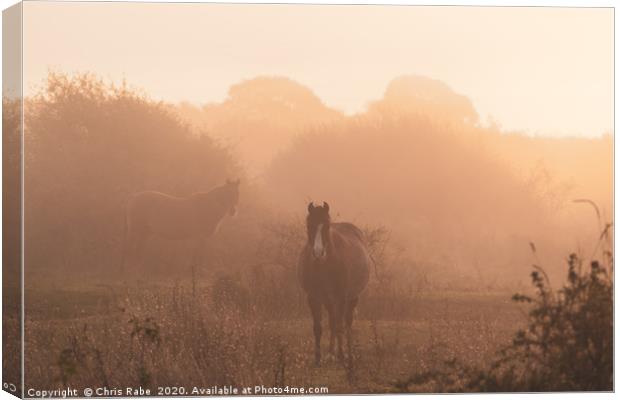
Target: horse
[150, 213]
[333, 270]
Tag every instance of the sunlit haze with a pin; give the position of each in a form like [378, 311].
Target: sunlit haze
[545, 71]
[265, 197]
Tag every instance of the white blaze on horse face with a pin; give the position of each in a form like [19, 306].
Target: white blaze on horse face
[318, 248]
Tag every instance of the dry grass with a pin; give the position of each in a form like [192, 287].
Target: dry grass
[165, 336]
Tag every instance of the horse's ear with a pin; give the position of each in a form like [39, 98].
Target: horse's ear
[326, 206]
[310, 207]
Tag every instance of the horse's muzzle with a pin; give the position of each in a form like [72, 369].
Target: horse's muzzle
[320, 257]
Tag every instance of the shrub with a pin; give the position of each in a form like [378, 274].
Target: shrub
[567, 344]
[90, 145]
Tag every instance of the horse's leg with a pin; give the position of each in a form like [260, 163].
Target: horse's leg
[130, 253]
[126, 252]
[198, 251]
[332, 325]
[348, 320]
[339, 305]
[139, 256]
[197, 259]
[315, 308]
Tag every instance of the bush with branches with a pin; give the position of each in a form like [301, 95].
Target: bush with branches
[566, 346]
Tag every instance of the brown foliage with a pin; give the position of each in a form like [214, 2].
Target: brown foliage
[88, 146]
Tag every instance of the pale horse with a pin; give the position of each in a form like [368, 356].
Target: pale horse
[154, 214]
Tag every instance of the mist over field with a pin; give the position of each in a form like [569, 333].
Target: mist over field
[453, 191]
[461, 200]
[454, 211]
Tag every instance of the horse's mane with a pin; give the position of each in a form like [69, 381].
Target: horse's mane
[349, 227]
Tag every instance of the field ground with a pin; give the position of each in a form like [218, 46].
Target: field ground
[165, 336]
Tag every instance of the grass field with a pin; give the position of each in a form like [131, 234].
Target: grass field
[179, 336]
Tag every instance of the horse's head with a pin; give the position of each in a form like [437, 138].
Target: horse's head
[231, 190]
[317, 224]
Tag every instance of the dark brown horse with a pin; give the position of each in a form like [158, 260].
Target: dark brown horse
[333, 270]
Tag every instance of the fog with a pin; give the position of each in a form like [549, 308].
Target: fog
[472, 147]
[454, 214]
[419, 163]
[460, 201]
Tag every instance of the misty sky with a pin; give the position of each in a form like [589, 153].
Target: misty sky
[542, 70]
